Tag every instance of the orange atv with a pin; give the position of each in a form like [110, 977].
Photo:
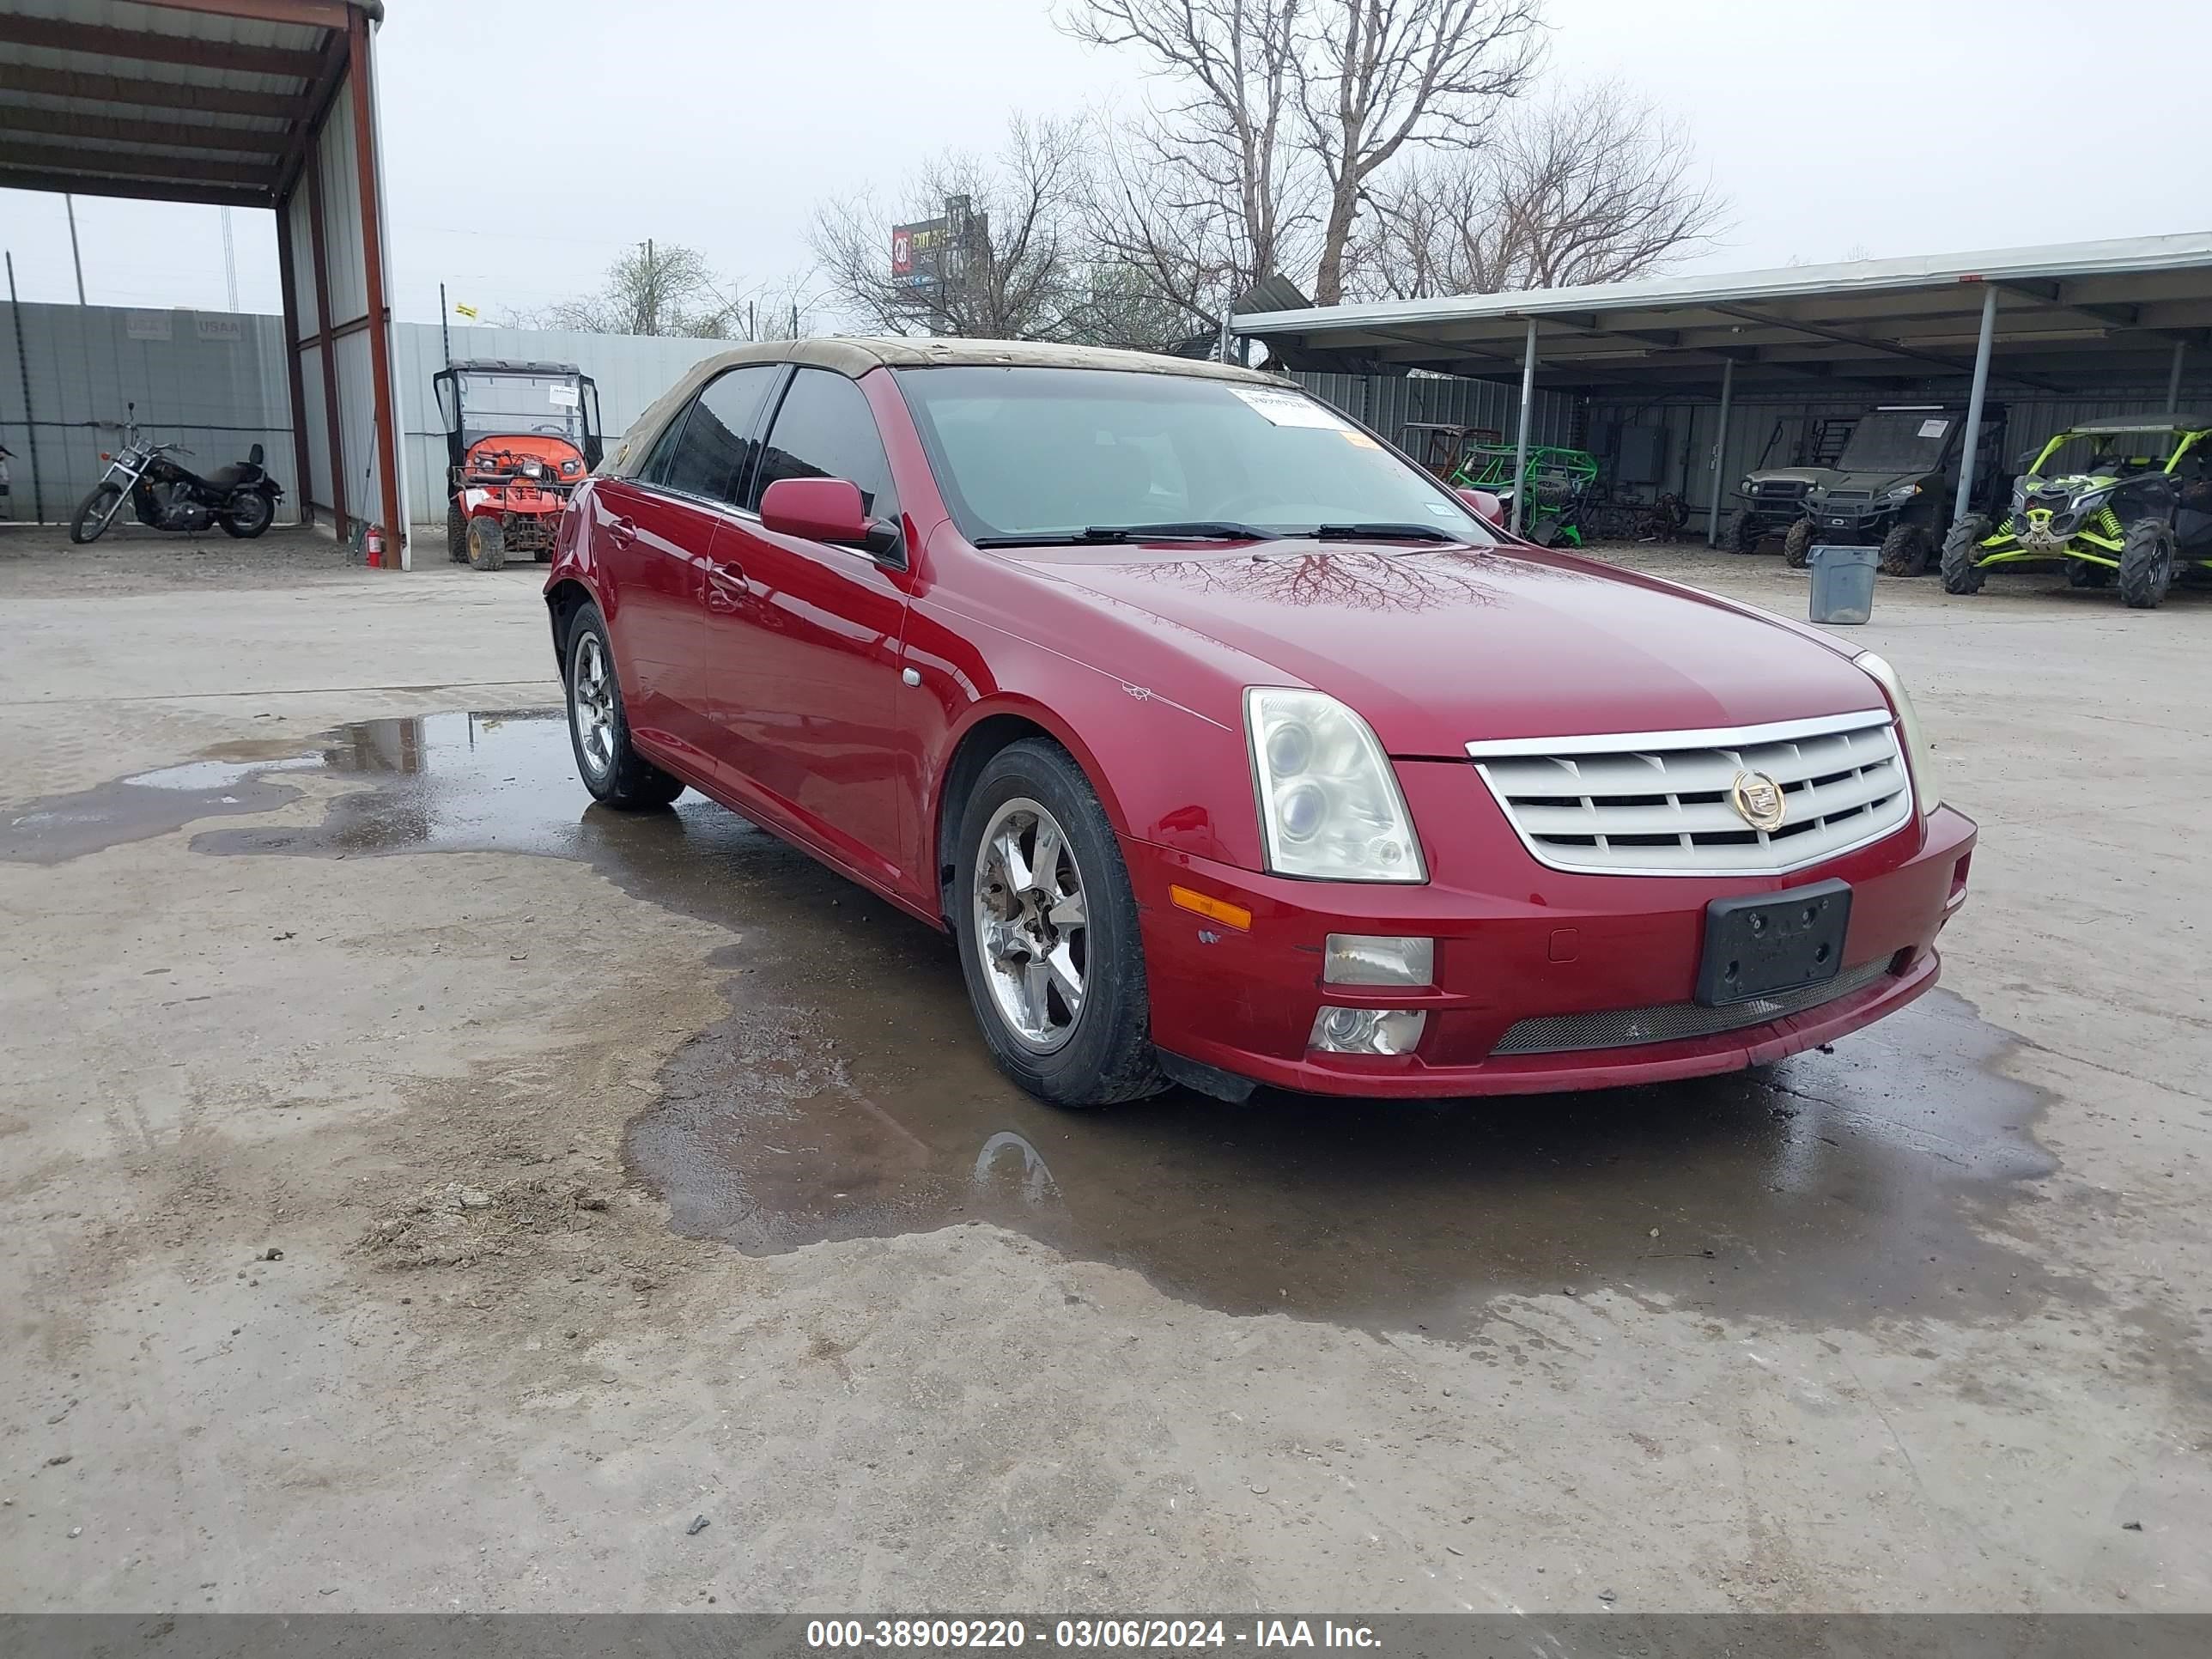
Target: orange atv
[519, 437]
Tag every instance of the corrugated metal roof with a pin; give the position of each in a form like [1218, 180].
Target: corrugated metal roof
[2068, 315]
[185, 100]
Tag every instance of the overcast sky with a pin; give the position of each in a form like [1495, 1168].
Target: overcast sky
[516, 170]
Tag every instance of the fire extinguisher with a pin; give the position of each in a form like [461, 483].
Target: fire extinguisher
[374, 545]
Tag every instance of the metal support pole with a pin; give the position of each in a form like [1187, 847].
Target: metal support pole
[1970, 441]
[445, 324]
[75, 258]
[2173, 379]
[30, 415]
[1520, 435]
[1720, 455]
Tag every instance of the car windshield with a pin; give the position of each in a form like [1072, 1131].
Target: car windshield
[1899, 440]
[2086, 454]
[1039, 453]
[504, 405]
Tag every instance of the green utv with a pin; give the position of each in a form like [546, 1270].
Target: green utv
[2132, 496]
[1891, 487]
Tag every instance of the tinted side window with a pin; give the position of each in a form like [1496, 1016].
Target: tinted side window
[655, 469]
[825, 429]
[717, 448]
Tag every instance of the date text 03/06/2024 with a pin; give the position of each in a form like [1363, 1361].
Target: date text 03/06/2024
[1166, 1634]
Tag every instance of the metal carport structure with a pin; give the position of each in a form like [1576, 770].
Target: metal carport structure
[238, 103]
[2066, 320]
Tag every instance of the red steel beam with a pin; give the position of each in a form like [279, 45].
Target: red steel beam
[144, 46]
[132, 129]
[379, 314]
[125, 92]
[316, 14]
[135, 190]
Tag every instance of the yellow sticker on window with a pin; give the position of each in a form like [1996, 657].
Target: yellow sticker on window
[1361, 438]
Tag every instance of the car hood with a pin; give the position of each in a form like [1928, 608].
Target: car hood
[1437, 649]
[1804, 475]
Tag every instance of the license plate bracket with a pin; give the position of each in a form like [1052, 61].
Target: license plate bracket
[1764, 944]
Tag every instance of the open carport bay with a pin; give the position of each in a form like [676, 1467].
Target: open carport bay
[626, 1172]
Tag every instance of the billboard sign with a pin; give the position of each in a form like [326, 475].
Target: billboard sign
[918, 252]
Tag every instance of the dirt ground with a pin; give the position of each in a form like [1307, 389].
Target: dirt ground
[419, 1189]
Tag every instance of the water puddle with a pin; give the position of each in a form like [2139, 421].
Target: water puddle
[846, 1096]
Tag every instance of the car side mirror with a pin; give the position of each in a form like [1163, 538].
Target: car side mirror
[819, 509]
[1487, 507]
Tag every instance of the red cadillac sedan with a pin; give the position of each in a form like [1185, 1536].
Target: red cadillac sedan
[1231, 748]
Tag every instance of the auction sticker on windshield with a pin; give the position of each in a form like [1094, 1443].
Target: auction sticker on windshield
[1292, 408]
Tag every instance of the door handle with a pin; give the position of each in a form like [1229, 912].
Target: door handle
[623, 530]
[725, 586]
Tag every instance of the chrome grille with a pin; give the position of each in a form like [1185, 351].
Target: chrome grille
[1784, 488]
[1658, 803]
[1667, 1022]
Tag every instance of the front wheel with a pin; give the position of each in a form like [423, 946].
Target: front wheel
[1047, 931]
[1797, 544]
[598, 729]
[1747, 535]
[1961, 548]
[2079, 573]
[487, 544]
[94, 512]
[249, 514]
[1904, 551]
[2146, 565]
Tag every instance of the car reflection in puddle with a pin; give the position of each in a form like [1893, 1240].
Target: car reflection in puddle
[847, 1095]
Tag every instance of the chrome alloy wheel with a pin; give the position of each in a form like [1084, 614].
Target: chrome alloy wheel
[591, 704]
[1032, 927]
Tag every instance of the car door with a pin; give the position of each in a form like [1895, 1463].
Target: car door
[667, 519]
[806, 638]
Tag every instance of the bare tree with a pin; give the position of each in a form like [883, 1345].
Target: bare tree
[1205, 193]
[655, 288]
[1275, 91]
[1011, 264]
[1595, 185]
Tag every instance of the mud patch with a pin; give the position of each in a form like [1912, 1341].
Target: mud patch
[846, 1096]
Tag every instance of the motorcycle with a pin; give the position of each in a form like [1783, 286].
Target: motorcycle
[241, 498]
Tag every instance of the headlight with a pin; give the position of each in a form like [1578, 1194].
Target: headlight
[1903, 493]
[1918, 755]
[1744, 488]
[1329, 804]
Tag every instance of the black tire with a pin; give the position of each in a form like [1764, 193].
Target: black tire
[487, 544]
[250, 514]
[94, 513]
[1961, 574]
[622, 778]
[1747, 535]
[2146, 565]
[1103, 1053]
[2079, 573]
[457, 532]
[1904, 551]
[1797, 544]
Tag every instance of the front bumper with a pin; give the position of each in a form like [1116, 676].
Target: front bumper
[1853, 520]
[1515, 940]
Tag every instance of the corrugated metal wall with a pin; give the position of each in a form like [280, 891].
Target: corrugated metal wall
[1389, 401]
[211, 380]
[1763, 429]
[630, 370]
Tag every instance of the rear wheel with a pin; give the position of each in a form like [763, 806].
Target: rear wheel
[1047, 931]
[2079, 573]
[93, 514]
[599, 730]
[1747, 534]
[1797, 544]
[487, 544]
[249, 514]
[2146, 565]
[1961, 574]
[1904, 551]
[457, 532]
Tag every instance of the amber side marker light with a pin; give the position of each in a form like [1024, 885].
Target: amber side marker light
[1214, 910]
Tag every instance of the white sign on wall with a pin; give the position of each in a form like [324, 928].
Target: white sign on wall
[222, 328]
[148, 325]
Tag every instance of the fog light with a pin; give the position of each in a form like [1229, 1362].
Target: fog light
[1367, 1030]
[1378, 959]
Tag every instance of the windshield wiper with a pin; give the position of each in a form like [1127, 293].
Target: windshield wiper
[1192, 530]
[1383, 532]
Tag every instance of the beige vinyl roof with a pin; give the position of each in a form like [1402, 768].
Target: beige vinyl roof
[855, 357]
